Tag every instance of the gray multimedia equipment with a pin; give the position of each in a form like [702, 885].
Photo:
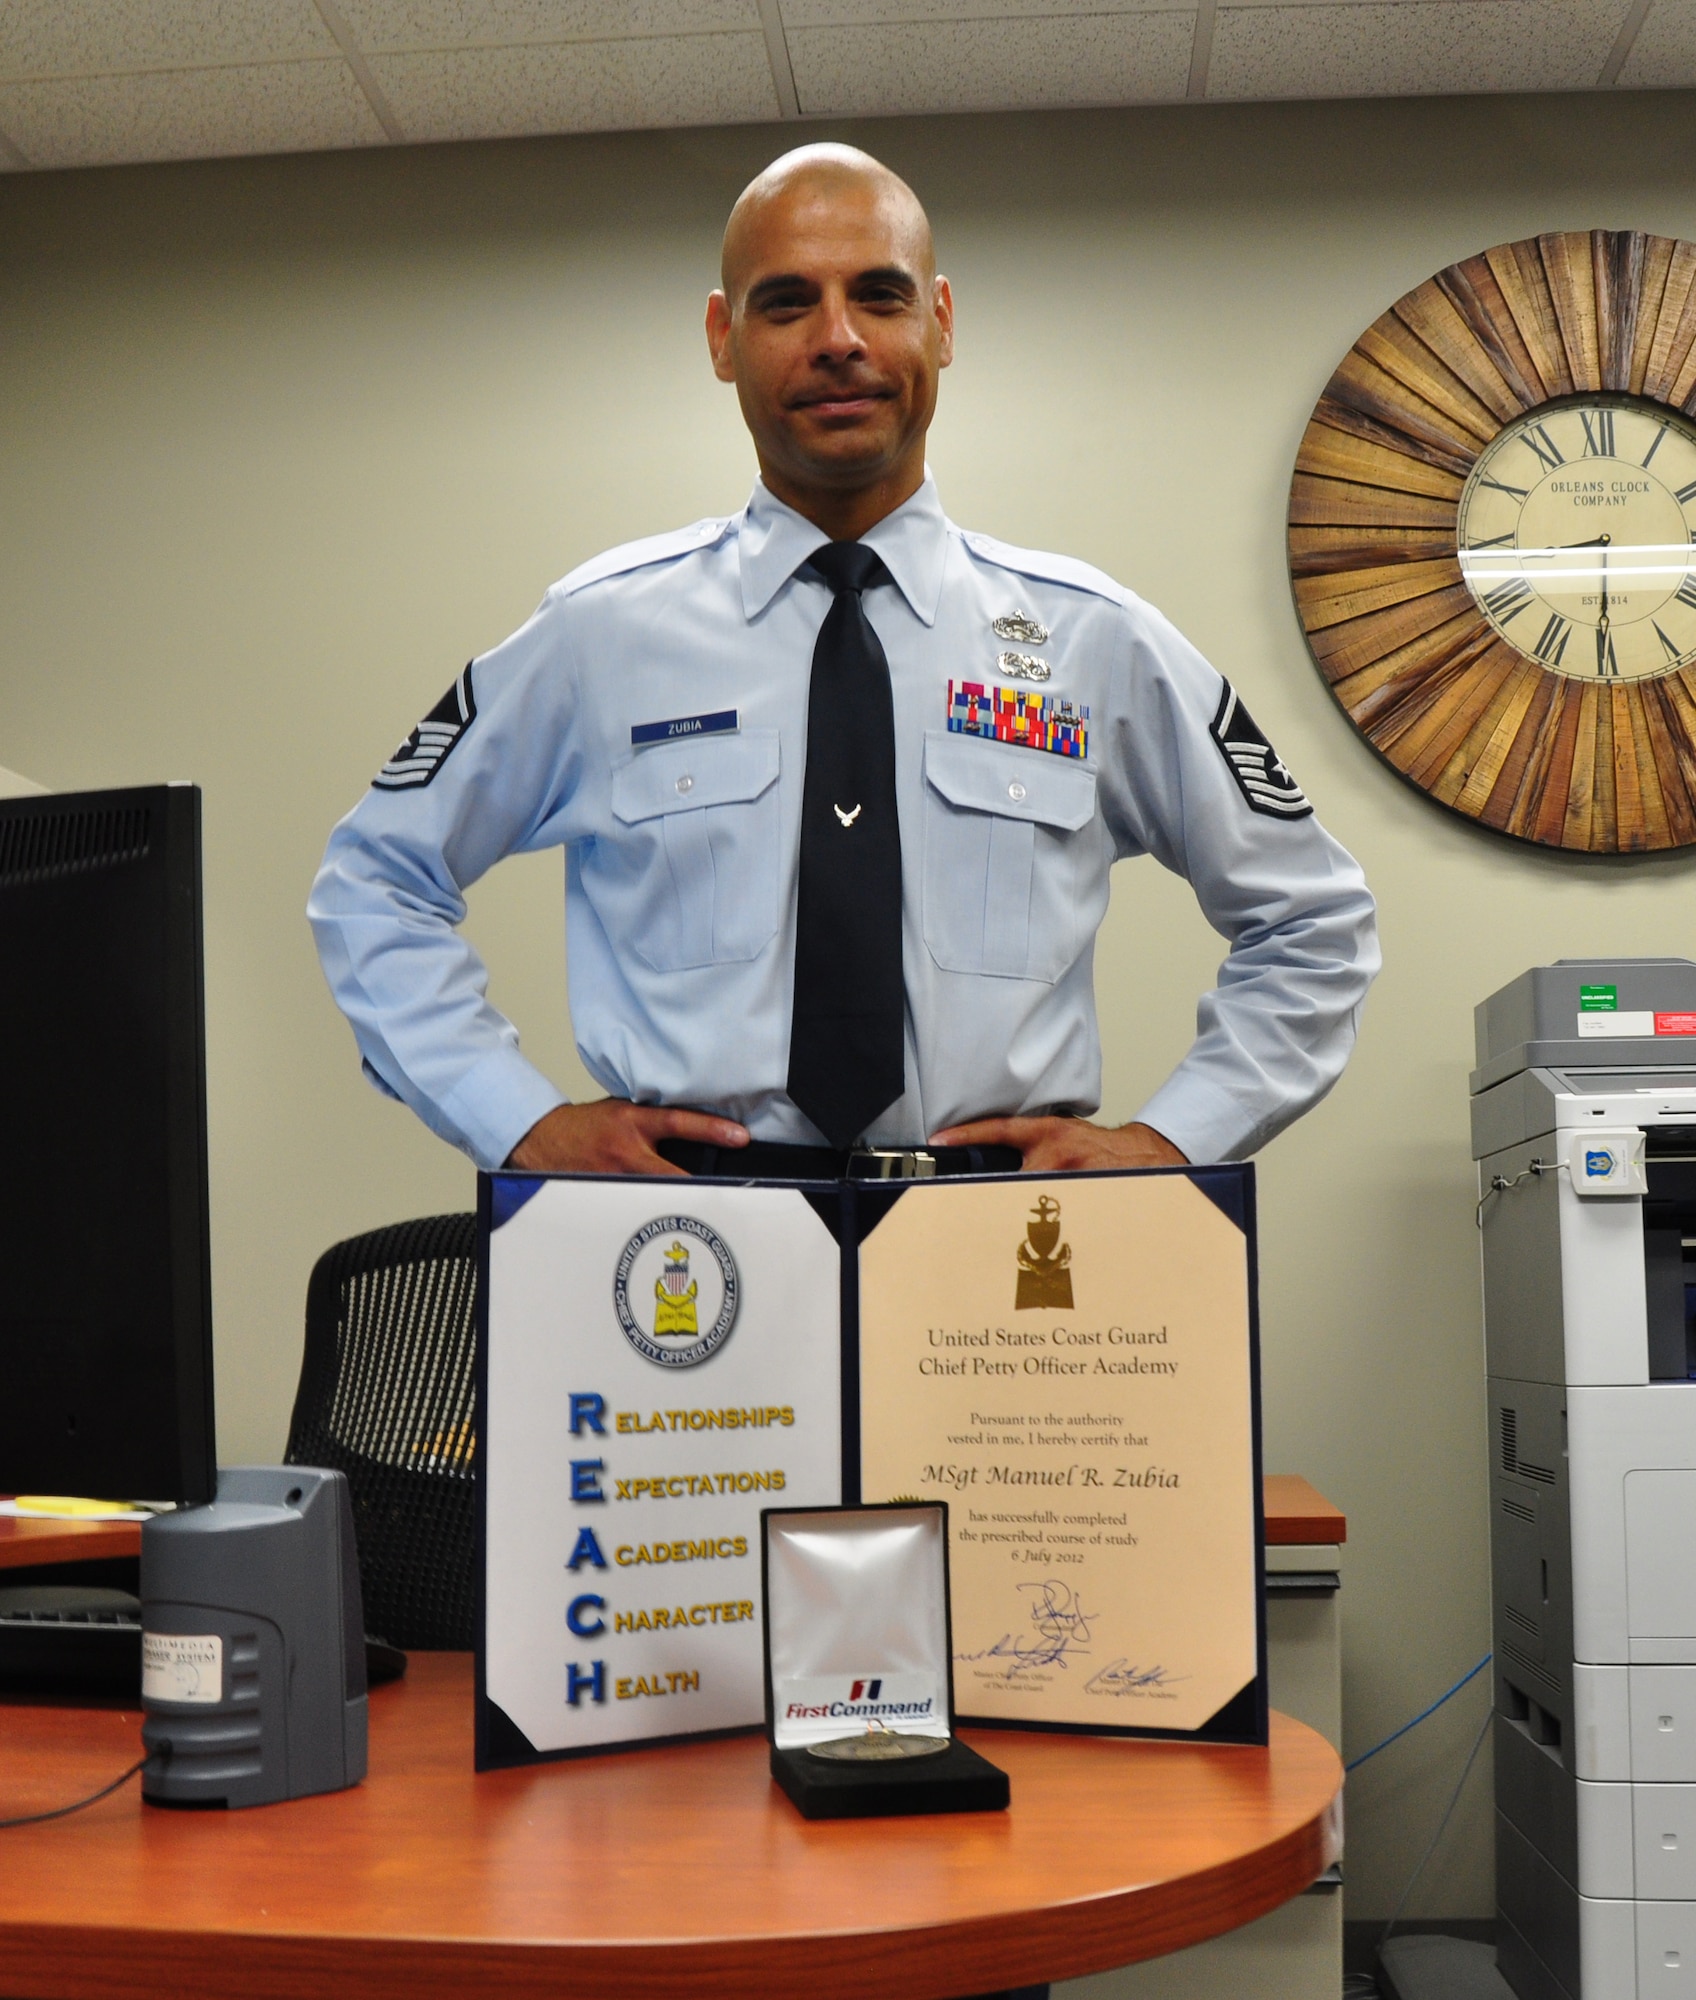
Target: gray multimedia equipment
[253, 1646]
[1584, 1128]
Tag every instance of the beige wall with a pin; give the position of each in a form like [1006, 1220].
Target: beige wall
[286, 441]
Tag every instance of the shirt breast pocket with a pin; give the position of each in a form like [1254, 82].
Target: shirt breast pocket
[1007, 857]
[691, 876]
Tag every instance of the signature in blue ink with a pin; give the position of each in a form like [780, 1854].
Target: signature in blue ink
[1122, 1678]
[1062, 1627]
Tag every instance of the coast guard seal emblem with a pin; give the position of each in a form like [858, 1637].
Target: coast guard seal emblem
[675, 1291]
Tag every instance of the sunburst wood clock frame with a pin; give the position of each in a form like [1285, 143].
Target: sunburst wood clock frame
[1490, 539]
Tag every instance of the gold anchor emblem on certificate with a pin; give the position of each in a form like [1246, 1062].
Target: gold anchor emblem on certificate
[1045, 1263]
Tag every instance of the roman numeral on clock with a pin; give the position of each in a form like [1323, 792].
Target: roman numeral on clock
[1672, 652]
[1686, 494]
[1687, 592]
[1495, 542]
[1655, 447]
[1548, 452]
[1551, 642]
[1598, 433]
[1513, 492]
[1607, 660]
[1508, 599]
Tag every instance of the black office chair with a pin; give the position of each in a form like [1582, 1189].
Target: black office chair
[386, 1396]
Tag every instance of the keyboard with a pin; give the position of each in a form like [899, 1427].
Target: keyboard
[70, 1639]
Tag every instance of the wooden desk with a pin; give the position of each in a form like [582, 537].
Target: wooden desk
[680, 1872]
[1295, 1513]
[25, 1542]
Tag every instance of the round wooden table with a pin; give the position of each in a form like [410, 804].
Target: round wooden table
[678, 1872]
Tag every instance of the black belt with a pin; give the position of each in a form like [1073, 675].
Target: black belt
[762, 1160]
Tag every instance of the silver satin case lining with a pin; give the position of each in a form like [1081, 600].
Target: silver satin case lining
[851, 1595]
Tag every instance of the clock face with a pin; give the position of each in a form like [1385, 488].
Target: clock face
[1490, 538]
[1575, 532]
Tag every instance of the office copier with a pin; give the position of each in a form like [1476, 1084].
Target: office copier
[1584, 1129]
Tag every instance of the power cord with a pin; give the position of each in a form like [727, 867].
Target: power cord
[1363, 1985]
[1442, 1824]
[1471, 1673]
[162, 1750]
[1500, 1186]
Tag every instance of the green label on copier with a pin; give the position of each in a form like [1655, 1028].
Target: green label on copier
[1598, 999]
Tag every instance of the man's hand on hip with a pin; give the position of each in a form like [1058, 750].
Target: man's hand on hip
[613, 1136]
[1056, 1145]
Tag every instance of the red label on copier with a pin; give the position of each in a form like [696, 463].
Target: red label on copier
[1675, 1024]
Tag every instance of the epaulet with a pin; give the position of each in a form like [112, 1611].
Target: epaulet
[644, 554]
[1049, 568]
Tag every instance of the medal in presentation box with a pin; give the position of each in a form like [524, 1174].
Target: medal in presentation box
[859, 1678]
[1069, 1361]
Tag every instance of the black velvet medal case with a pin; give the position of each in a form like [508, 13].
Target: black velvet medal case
[858, 1639]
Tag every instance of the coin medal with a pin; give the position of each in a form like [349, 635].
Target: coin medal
[877, 1746]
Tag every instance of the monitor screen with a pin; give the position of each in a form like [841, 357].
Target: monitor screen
[105, 1273]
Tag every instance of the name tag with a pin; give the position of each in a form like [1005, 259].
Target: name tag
[722, 722]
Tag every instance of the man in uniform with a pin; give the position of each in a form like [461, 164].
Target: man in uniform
[839, 785]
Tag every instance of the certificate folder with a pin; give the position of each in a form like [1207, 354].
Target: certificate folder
[1073, 1361]
[1070, 1361]
[658, 1360]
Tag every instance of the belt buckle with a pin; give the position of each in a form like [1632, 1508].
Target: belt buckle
[891, 1163]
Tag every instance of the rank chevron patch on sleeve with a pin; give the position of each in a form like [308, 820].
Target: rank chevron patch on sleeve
[421, 756]
[1261, 774]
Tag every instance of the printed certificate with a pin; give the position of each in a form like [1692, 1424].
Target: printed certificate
[661, 1359]
[1070, 1362]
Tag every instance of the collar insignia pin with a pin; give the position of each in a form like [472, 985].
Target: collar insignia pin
[847, 818]
[1021, 626]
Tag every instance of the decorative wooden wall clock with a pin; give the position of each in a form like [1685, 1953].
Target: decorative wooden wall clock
[1490, 539]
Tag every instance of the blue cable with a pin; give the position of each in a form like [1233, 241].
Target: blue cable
[1419, 1718]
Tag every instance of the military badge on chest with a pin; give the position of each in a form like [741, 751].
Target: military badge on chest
[1028, 631]
[1010, 714]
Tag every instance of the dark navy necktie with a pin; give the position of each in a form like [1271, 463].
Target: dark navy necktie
[845, 1042]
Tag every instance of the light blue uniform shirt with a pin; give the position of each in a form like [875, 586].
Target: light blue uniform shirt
[652, 719]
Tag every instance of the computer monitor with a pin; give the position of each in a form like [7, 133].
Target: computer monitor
[105, 1270]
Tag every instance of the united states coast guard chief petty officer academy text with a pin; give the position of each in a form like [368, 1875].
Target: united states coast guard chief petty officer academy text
[839, 785]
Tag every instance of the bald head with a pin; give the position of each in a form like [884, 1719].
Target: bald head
[833, 323]
[811, 185]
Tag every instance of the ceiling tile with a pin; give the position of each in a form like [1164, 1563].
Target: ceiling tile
[578, 87]
[84, 37]
[187, 114]
[1664, 55]
[872, 13]
[453, 24]
[986, 65]
[1409, 47]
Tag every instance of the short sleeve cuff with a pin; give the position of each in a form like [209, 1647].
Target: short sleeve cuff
[1205, 1123]
[496, 1102]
